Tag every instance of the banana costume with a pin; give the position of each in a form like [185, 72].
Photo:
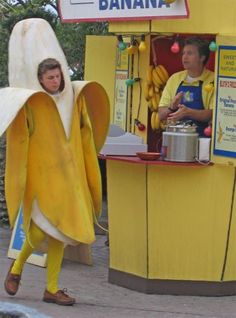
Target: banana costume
[52, 141]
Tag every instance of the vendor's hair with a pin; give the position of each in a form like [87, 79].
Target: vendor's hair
[202, 46]
[50, 64]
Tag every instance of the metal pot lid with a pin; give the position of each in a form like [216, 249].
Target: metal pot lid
[184, 127]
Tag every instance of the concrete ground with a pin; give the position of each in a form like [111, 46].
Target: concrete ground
[96, 297]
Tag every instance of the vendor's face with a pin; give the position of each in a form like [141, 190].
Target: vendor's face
[191, 59]
[51, 80]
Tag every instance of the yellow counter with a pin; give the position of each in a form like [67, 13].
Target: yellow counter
[172, 226]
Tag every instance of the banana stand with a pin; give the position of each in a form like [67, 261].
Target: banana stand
[172, 226]
[173, 230]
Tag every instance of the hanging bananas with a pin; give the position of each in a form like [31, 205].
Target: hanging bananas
[160, 74]
[155, 120]
[156, 79]
[149, 74]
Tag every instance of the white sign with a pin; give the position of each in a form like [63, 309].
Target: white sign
[120, 103]
[108, 10]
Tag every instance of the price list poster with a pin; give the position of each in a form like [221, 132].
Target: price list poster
[225, 116]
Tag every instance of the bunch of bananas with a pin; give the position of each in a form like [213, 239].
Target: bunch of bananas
[156, 79]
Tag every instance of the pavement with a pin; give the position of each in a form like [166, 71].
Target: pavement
[95, 296]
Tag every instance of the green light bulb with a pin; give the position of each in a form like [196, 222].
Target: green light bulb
[212, 46]
[129, 81]
[122, 46]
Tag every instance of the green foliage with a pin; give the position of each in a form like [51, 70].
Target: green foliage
[12, 12]
[4, 36]
[26, 12]
[71, 36]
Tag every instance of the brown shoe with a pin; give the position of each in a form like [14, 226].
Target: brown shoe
[12, 282]
[59, 298]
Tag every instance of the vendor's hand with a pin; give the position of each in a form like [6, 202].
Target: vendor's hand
[176, 101]
[181, 113]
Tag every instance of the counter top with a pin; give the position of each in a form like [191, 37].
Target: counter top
[159, 162]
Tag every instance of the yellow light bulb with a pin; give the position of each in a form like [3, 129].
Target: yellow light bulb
[132, 49]
[142, 46]
[209, 87]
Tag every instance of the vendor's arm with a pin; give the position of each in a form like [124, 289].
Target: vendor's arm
[171, 106]
[203, 115]
[170, 100]
[180, 111]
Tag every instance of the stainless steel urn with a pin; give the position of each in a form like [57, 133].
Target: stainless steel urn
[180, 143]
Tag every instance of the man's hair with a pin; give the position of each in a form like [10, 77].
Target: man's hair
[202, 46]
[50, 64]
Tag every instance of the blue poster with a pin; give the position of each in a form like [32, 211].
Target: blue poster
[17, 240]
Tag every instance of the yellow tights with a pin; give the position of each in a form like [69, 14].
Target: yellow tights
[54, 257]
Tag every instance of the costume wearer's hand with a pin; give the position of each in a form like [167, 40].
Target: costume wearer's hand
[181, 113]
[176, 101]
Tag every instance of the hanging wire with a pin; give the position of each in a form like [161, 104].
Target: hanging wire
[140, 90]
[131, 91]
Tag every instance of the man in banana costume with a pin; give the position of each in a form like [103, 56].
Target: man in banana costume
[185, 95]
[55, 128]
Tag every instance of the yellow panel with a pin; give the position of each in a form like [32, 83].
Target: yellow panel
[127, 217]
[129, 27]
[100, 61]
[188, 217]
[230, 268]
[206, 16]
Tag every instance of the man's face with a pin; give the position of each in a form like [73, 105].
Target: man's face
[51, 80]
[190, 58]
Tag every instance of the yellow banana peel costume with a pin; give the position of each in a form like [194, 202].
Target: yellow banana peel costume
[44, 163]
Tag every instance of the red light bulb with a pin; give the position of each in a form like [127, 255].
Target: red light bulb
[175, 47]
[208, 131]
[140, 126]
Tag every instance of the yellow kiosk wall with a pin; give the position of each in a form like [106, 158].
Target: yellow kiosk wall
[100, 62]
[168, 222]
[206, 16]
